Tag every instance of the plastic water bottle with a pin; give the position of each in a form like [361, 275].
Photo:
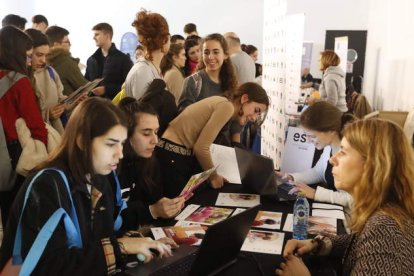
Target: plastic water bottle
[300, 217]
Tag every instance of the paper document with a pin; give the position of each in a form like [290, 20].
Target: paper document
[195, 181]
[263, 242]
[316, 225]
[326, 206]
[204, 215]
[237, 200]
[268, 220]
[339, 214]
[225, 159]
[81, 90]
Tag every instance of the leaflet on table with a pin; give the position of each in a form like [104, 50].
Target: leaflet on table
[268, 220]
[237, 200]
[191, 234]
[337, 214]
[264, 242]
[195, 181]
[316, 205]
[81, 90]
[204, 215]
[316, 225]
[225, 158]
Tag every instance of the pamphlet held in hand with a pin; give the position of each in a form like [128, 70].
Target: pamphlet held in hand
[195, 181]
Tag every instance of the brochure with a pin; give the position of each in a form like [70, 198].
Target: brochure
[204, 215]
[195, 181]
[191, 234]
[80, 91]
[264, 242]
[237, 200]
[317, 225]
[225, 158]
[268, 220]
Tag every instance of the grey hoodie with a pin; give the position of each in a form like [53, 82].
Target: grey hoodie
[332, 88]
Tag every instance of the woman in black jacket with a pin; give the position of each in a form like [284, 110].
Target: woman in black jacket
[90, 150]
[140, 174]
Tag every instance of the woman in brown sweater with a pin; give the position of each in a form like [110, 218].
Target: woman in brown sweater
[374, 165]
[185, 145]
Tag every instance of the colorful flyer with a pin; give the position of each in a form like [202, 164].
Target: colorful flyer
[237, 200]
[204, 215]
[264, 242]
[268, 220]
[195, 181]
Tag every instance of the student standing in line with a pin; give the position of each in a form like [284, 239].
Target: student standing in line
[18, 101]
[323, 124]
[172, 69]
[185, 145]
[192, 54]
[374, 165]
[107, 62]
[215, 76]
[90, 150]
[48, 87]
[140, 173]
[154, 36]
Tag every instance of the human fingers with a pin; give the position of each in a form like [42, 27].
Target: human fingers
[294, 190]
[169, 241]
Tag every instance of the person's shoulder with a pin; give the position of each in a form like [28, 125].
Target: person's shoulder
[382, 223]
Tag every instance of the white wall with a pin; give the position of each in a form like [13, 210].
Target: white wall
[322, 15]
[245, 17]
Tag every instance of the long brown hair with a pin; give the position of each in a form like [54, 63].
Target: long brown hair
[228, 79]
[14, 44]
[167, 61]
[92, 118]
[387, 183]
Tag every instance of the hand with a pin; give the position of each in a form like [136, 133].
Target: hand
[167, 208]
[56, 111]
[130, 245]
[299, 247]
[292, 266]
[99, 91]
[284, 176]
[169, 242]
[301, 187]
[217, 181]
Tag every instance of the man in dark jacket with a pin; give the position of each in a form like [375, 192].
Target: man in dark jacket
[107, 62]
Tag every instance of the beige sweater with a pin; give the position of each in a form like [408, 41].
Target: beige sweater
[198, 125]
[174, 80]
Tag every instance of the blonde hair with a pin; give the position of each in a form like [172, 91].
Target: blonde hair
[329, 58]
[387, 183]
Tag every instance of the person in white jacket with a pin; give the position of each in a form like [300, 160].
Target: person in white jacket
[323, 124]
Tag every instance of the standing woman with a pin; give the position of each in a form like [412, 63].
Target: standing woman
[139, 173]
[185, 145]
[91, 149]
[192, 53]
[172, 69]
[374, 165]
[323, 124]
[18, 101]
[332, 88]
[215, 75]
[154, 36]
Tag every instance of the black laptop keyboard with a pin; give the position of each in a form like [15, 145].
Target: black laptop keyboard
[180, 268]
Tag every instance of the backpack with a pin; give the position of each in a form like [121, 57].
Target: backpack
[7, 173]
[24, 267]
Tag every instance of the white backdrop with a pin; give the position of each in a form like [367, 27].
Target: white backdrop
[245, 17]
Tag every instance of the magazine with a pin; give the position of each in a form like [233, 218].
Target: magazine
[317, 225]
[204, 215]
[263, 242]
[191, 234]
[84, 89]
[195, 181]
[237, 200]
[268, 220]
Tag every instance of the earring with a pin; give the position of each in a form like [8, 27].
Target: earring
[241, 111]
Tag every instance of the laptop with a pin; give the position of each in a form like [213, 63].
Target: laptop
[257, 174]
[218, 250]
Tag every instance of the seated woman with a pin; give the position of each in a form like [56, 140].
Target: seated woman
[91, 149]
[185, 145]
[140, 174]
[323, 124]
[374, 165]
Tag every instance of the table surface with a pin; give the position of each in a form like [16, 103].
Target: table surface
[250, 263]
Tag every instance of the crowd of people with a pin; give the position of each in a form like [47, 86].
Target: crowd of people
[126, 148]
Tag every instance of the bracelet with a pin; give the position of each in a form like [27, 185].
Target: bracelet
[320, 244]
[122, 248]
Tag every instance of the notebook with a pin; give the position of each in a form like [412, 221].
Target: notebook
[216, 252]
[257, 175]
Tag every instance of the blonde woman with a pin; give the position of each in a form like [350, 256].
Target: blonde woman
[374, 165]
